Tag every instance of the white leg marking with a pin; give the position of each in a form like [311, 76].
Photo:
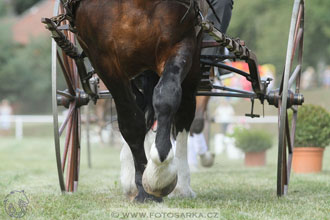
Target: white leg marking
[148, 142]
[182, 188]
[127, 172]
[192, 154]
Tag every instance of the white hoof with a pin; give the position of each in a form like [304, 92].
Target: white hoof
[160, 178]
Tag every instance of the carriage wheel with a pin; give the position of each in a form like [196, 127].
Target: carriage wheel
[289, 97]
[71, 98]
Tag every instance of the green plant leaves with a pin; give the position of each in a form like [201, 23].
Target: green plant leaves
[313, 127]
[251, 140]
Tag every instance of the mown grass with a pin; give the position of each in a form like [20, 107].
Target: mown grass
[228, 190]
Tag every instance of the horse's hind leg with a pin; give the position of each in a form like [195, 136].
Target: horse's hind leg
[160, 176]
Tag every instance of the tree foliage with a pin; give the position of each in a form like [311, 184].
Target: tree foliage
[3, 9]
[22, 5]
[25, 74]
[15, 6]
[264, 25]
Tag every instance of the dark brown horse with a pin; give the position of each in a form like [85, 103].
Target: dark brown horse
[125, 38]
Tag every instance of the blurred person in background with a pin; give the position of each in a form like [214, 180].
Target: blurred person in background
[5, 116]
[197, 145]
[326, 77]
[308, 78]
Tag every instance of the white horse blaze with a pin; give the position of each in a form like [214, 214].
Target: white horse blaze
[182, 188]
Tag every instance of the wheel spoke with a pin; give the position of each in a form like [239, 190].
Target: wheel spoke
[296, 40]
[291, 144]
[70, 167]
[69, 115]
[299, 21]
[294, 75]
[67, 142]
[66, 74]
[288, 136]
[65, 94]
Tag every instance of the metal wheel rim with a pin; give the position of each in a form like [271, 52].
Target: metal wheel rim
[285, 135]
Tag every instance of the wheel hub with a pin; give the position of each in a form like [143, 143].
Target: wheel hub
[64, 98]
[274, 96]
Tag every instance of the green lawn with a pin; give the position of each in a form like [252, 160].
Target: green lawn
[228, 190]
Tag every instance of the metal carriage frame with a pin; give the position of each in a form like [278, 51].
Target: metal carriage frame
[82, 87]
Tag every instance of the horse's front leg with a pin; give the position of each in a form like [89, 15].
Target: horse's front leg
[160, 176]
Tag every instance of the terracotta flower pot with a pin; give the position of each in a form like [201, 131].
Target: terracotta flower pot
[255, 159]
[307, 159]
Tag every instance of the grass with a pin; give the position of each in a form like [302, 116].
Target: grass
[228, 190]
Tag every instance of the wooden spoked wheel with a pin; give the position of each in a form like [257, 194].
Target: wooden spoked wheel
[72, 98]
[289, 97]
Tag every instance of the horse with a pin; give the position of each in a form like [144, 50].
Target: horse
[123, 39]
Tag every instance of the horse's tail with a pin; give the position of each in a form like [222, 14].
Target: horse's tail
[143, 88]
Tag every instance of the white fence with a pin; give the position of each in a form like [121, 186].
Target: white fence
[20, 120]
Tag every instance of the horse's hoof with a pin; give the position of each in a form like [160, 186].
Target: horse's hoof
[197, 126]
[159, 191]
[160, 177]
[145, 197]
[207, 159]
[182, 192]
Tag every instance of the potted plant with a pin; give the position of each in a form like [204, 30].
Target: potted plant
[312, 136]
[254, 144]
